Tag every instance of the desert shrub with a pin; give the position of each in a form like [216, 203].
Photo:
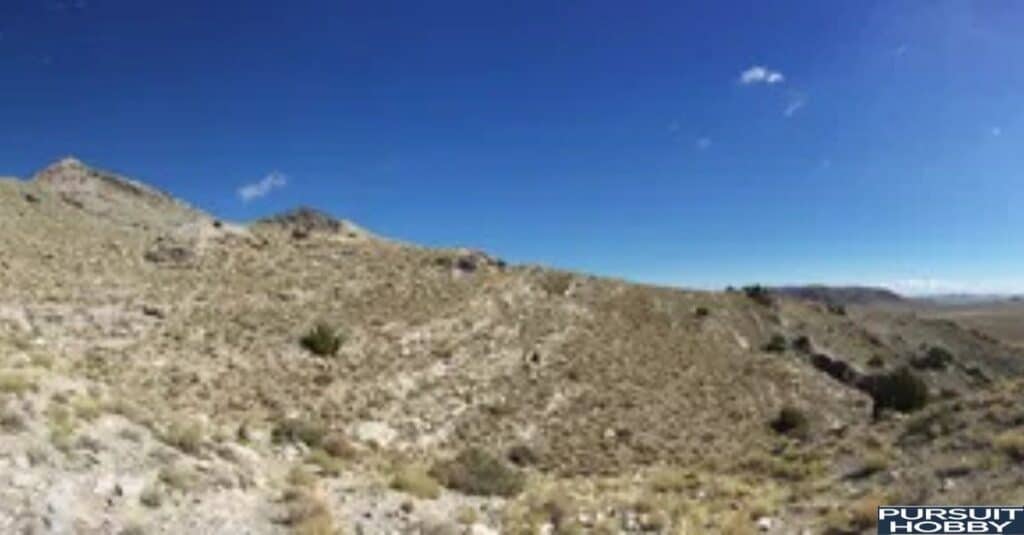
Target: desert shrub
[187, 436]
[474, 471]
[900, 390]
[803, 344]
[308, 432]
[776, 344]
[328, 465]
[936, 358]
[308, 513]
[339, 446]
[837, 309]
[322, 340]
[791, 421]
[1012, 444]
[759, 294]
[16, 383]
[555, 283]
[522, 455]
[177, 476]
[151, 496]
[702, 312]
[416, 481]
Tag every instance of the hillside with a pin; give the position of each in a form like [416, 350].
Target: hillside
[152, 378]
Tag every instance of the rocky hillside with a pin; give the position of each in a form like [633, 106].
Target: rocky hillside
[162, 372]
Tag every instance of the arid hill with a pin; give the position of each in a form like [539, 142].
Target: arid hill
[161, 371]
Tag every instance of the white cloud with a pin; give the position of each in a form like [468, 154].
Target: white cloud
[263, 187]
[996, 131]
[795, 103]
[703, 143]
[761, 75]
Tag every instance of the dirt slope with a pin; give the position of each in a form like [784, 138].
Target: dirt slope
[626, 407]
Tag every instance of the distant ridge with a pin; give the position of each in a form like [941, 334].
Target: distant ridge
[841, 295]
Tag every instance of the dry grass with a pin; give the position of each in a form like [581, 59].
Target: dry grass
[1011, 443]
[414, 480]
[308, 513]
[184, 434]
[328, 465]
[16, 382]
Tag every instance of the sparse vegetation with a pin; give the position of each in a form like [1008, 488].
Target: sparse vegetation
[759, 294]
[177, 476]
[308, 432]
[14, 382]
[775, 344]
[474, 471]
[556, 283]
[900, 390]
[415, 480]
[1012, 444]
[152, 496]
[329, 465]
[322, 340]
[793, 422]
[184, 434]
[308, 513]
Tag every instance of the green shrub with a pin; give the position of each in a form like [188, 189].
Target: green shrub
[476, 472]
[702, 312]
[759, 294]
[322, 340]
[793, 422]
[777, 344]
[414, 480]
[900, 390]
[308, 432]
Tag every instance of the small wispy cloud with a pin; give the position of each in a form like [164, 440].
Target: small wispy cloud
[702, 143]
[795, 103]
[673, 127]
[996, 131]
[761, 75]
[262, 188]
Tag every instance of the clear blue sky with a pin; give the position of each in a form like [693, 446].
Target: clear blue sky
[698, 144]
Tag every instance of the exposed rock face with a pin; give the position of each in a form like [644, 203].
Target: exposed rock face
[115, 197]
[302, 222]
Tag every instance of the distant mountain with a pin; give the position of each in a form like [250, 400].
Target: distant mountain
[841, 295]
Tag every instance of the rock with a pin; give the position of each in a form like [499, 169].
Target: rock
[481, 529]
[168, 251]
[378, 433]
[765, 523]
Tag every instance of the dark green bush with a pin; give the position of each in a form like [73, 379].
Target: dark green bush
[308, 432]
[776, 344]
[900, 390]
[759, 294]
[322, 340]
[702, 312]
[475, 472]
[793, 422]
[803, 344]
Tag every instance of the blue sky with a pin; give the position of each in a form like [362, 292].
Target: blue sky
[697, 144]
